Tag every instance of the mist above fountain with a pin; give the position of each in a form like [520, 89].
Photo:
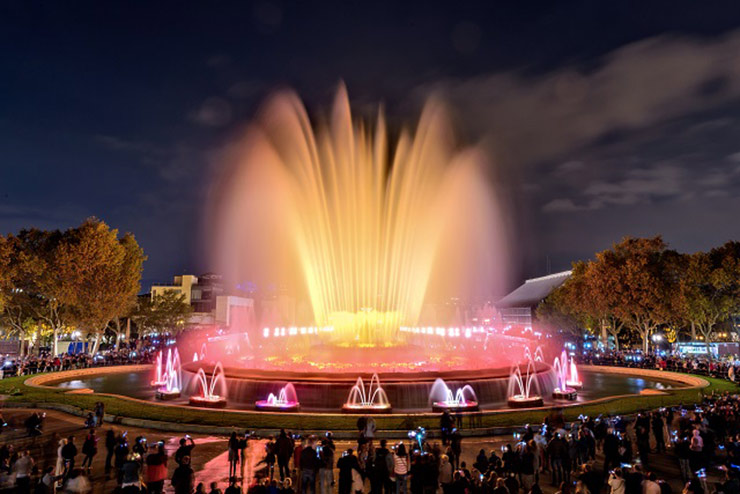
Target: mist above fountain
[285, 401]
[367, 400]
[362, 224]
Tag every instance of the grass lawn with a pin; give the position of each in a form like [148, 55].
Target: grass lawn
[16, 391]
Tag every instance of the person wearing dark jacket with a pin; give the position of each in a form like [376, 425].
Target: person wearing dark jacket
[69, 452]
[110, 447]
[89, 449]
[284, 450]
[346, 464]
[183, 478]
[309, 465]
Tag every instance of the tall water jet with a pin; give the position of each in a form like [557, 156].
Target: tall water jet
[208, 398]
[574, 380]
[524, 389]
[563, 391]
[285, 401]
[159, 377]
[363, 225]
[172, 386]
[443, 398]
[367, 400]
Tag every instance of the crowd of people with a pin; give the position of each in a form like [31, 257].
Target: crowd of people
[699, 439]
[45, 361]
[727, 367]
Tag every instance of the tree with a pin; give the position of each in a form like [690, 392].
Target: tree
[638, 277]
[34, 297]
[166, 312]
[709, 289]
[103, 273]
[564, 307]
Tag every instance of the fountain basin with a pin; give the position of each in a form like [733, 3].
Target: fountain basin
[565, 394]
[158, 384]
[269, 406]
[465, 406]
[525, 402]
[366, 409]
[575, 385]
[166, 395]
[210, 402]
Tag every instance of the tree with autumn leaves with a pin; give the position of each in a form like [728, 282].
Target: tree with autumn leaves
[80, 278]
[641, 285]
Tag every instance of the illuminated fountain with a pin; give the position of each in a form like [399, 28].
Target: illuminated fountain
[574, 380]
[361, 227]
[562, 390]
[207, 397]
[200, 356]
[172, 377]
[442, 398]
[159, 377]
[285, 401]
[370, 400]
[524, 390]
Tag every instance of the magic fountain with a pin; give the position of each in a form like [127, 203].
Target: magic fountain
[285, 401]
[368, 229]
[208, 397]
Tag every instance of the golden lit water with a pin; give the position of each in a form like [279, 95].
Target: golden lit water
[363, 226]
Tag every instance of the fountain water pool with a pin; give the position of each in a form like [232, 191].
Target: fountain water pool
[285, 401]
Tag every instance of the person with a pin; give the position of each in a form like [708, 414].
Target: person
[99, 413]
[481, 462]
[500, 487]
[110, 446]
[200, 488]
[564, 488]
[233, 454]
[69, 452]
[400, 468]
[130, 470]
[270, 456]
[59, 469]
[46, 482]
[445, 425]
[616, 482]
[186, 449]
[557, 450]
[232, 488]
[287, 487]
[346, 465]
[183, 477]
[284, 449]
[456, 447]
[683, 453]
[216, 490]
[649, 485]
[77, 483]
[527, 467]
[383, 464]
[22, 469]
[326, 467]
[156, 469]
[696, 446]
[445, 474]
[308, 462]
[89, 449]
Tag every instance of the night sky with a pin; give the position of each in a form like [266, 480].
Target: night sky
[601, 119]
